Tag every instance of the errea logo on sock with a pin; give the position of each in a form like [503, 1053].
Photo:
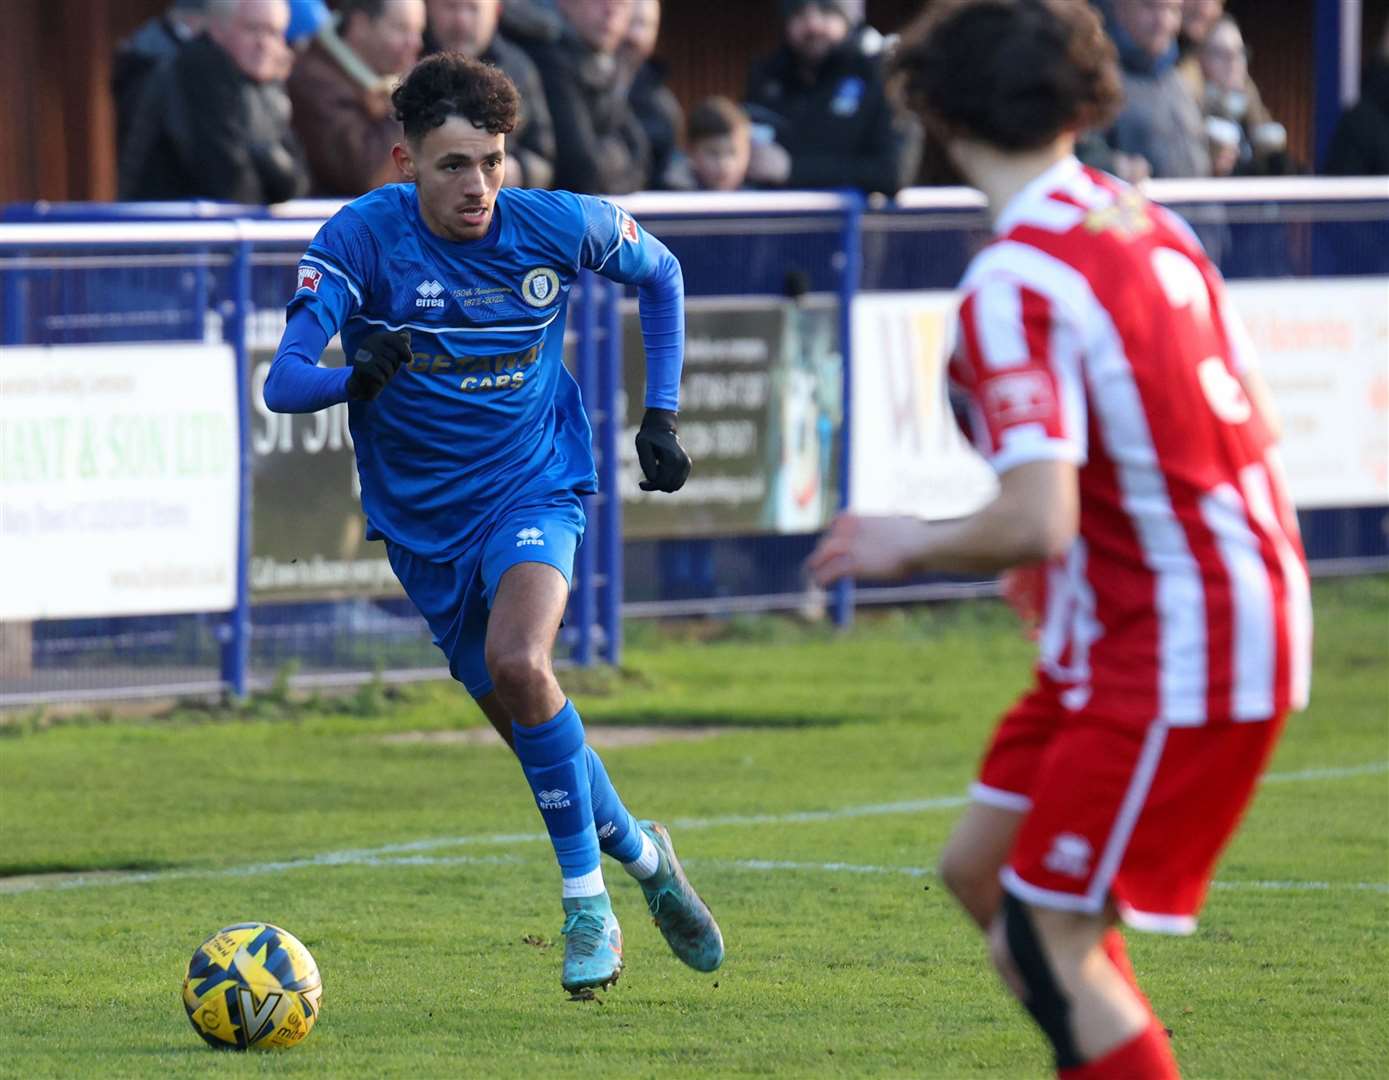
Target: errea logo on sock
[530, 537]
[554, 799]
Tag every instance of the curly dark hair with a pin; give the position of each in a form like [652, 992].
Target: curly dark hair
[450, 84]
[1011, 73]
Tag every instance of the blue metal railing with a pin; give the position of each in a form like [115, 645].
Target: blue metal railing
[202, 259]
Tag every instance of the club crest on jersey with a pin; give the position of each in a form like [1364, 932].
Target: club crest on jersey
[627, 226]
[540, 287]
[309, 278]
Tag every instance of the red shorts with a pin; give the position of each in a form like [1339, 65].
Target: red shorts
[1114, 811]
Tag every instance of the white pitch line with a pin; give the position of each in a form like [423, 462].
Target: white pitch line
[1373, 769]
[772, 865]
[403, 854]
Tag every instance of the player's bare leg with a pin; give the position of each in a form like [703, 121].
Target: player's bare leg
[548, 738]
[973, 856]
[492, 708]
[1055, 963]
[521, 631]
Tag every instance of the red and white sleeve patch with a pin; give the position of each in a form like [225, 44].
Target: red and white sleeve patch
[627, 226]
[309, 278]
[1025, 396]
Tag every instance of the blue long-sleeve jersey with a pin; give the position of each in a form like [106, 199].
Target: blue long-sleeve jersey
[486, 417]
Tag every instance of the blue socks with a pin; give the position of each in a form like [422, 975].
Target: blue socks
[556, 764]
[618, 834]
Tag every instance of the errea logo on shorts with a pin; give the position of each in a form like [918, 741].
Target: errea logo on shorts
[1069, 856]
[554, 799]
[530, 537]
[431, 294]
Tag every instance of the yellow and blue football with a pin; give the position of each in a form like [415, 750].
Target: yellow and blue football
[252, 985]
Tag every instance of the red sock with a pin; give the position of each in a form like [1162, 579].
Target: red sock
[1147, 1056]
[1113, 945]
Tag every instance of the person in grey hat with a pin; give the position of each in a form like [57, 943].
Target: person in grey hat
[138, 55]
[819, 110]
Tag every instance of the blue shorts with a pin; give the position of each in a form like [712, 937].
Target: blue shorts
[455, 597]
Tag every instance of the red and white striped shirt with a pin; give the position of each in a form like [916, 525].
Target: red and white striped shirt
[1094, 330]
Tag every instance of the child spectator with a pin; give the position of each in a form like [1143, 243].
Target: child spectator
[720, 144]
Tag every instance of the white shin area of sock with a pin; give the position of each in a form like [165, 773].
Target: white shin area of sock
[645, 864]
[591, 884]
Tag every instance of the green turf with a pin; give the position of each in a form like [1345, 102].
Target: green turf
[448, 965]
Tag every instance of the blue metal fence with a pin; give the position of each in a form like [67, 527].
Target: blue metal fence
[84, 274]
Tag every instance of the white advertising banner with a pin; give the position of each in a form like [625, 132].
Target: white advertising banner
[1323, 346]
[118, 480]
[909, 456]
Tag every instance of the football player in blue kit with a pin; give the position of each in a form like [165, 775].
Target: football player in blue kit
[473, 449]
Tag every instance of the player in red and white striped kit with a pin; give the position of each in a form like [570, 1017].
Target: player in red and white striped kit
[1114, 391]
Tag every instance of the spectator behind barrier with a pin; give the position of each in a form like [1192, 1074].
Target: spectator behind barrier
[1360, 144]
[341, 90]
[214, 122]
[651, 99]
[1198, 20]
[137, 57]
[600, 147]
[820, 114]
[1244, 137]
[470, 27]
[1161, 121]
[720, 144]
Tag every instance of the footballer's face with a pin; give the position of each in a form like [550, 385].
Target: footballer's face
[457, 169]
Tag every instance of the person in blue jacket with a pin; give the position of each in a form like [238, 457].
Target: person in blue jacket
[473, 449]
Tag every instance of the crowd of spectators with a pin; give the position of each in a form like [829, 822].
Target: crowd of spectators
[259, 101]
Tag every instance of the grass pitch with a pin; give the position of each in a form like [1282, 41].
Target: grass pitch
[416, 873]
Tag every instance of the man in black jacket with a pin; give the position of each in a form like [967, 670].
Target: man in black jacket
[601, 148]
[213, 122]
[139, 56]
[820, 113]
[470, 27]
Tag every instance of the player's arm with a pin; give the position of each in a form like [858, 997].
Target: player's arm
[621, 250]
[1034, 518]
[329, 290]
[1017, 362]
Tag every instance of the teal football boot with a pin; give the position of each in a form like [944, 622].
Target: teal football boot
[676, 909]
[592, 945]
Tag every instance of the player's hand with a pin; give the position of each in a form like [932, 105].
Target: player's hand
[857, 546]
[663, 460]
[377, 359]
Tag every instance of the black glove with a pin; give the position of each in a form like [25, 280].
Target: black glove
[377, 359]
[662, 458]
